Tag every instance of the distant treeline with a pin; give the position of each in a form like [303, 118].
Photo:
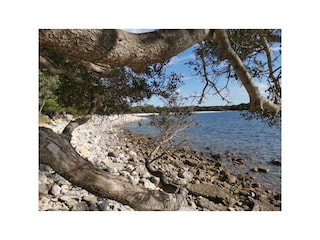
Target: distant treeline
[156, 109]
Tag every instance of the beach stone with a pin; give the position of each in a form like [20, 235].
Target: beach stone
[55, 190]
[232, 179]
[191, 162]
[214, 193]
[263, 169]
[103, 204]
[111, 154]
[43, 188]
[71, 203]
[133, 154]
[276, 162]
[65, 188]
[207, 204]
[70, 195]
[90, 198]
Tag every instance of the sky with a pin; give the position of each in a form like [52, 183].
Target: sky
[300, 122]
[193, 85]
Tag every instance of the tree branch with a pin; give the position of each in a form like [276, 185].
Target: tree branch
[103, 48]
[207, 80]
[270, 65]
[48, 65]
[58, 153]
[257, 101]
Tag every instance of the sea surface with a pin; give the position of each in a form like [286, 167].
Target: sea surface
[224, 132]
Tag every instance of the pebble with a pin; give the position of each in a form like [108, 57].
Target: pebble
[101, 145]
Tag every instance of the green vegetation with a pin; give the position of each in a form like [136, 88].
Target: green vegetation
[157, 109]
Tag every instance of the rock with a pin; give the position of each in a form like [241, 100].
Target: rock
[43, 189]
[71, 203]
[65, 188]
[111, 154]
[191, 162]
[90, 198]
[55, 190]
[181, 173]
[103, 205]
[93, 207]
[70, 195]
[134, 179]
[232, 179]
[82, 206]
[216, 156]
[276, 162]
[255, 185]
[263, 169]
[132, 154]
[207, 204]
[111, 169]
[214, 193]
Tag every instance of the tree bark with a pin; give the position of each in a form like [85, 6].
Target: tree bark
[57, 152]
[257, 101]
[98, 49]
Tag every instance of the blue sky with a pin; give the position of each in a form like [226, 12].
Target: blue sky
[192, 85]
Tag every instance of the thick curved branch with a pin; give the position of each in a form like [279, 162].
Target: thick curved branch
[58, 153]
[52, 69]
[257, 101]
[104, 48]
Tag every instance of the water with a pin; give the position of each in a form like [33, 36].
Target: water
[229, 132]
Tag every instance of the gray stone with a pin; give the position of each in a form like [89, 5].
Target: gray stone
[276, 162]
[93, 207]
[82, 206]
[55, 190]
[214, 193]
[206, 204]
[103, 205]
[263, 169]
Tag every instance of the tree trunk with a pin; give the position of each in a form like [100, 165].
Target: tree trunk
[56, 151]
[257, 101]
[98, 49]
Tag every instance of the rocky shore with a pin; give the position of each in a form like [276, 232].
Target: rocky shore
[102, 141]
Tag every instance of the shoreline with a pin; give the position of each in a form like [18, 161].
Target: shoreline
[104, 142]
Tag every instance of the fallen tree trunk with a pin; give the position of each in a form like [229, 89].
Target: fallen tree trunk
[57, 152]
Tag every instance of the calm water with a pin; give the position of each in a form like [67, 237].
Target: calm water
[229, 131]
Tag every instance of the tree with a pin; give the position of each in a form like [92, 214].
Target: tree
[113, 66]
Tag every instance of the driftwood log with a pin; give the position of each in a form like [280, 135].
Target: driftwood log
[56, 151]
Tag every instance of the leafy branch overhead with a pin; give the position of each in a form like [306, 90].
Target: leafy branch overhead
[113, 68]
[105, 71]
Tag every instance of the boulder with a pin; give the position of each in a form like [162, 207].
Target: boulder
[207, 204]
[214, 193]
